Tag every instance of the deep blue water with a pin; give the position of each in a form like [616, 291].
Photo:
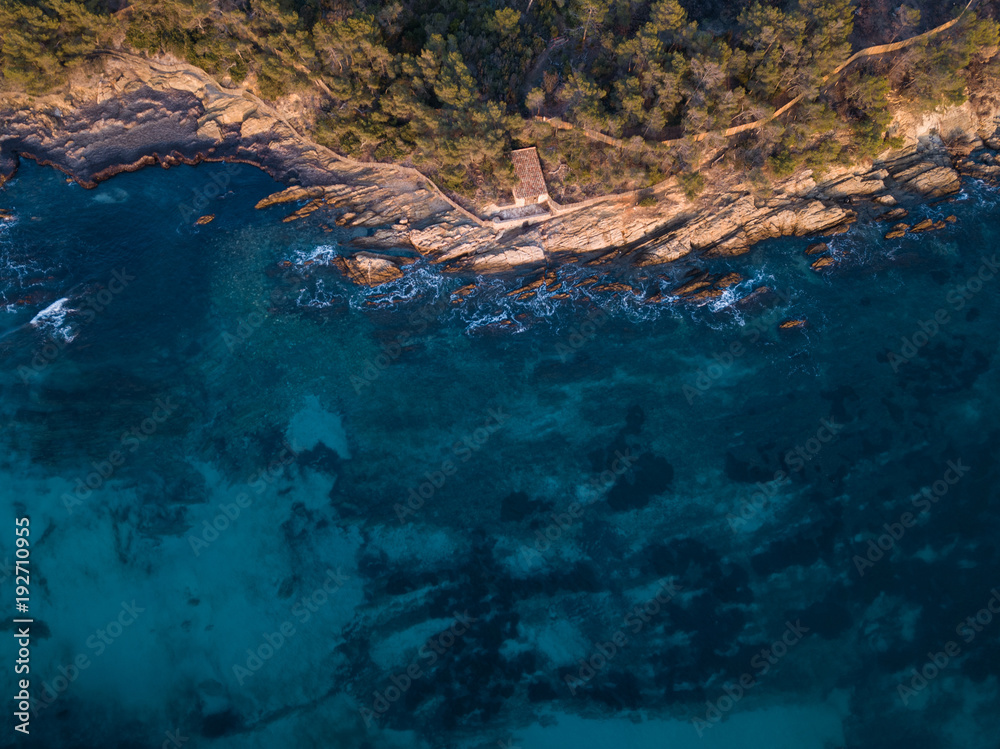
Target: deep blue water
[269, 509]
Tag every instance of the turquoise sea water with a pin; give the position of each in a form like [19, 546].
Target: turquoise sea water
[270, 509]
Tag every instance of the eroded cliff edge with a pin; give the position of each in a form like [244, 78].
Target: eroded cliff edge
[142, 112]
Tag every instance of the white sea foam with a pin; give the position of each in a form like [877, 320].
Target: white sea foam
[417, 282]
[729, 296]
[324, 253]
[317, 297]
[52, 320]
[479, 319]
[19, 272]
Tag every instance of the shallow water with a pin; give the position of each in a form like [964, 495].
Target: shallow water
[582, 522]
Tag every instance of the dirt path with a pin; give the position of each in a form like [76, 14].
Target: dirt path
[879, 49]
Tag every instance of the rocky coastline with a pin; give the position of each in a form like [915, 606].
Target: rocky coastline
[141, 112]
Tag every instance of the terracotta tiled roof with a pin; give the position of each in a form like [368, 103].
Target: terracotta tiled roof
[529, 173]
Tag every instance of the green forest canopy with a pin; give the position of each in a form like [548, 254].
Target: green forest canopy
[453, 85]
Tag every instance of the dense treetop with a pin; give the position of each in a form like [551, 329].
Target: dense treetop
[452, 85]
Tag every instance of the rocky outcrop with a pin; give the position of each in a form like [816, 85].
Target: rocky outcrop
[760, 298]
[172, 113]
[700, 288]
[146, 112]
[927, 225]
[737, 223]
[856, 184]
[896, 214]
[369, 269]
[926, 171]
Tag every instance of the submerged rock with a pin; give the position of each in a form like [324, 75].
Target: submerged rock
[649, 476]
[309, 208]
[928, 225]
[529, 289]
[757, 298]
[463, 291]
[515, 507]
[817, 249]
[704, 297]
[895, 214]
[615, 286]
[693, 286]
